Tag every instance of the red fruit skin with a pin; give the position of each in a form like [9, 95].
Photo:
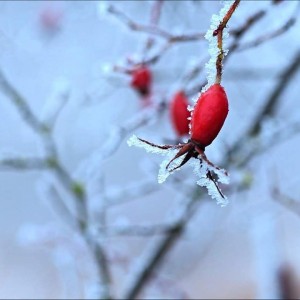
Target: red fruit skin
[209, 115]
[141, 80]
[179, 113]
[51, 18]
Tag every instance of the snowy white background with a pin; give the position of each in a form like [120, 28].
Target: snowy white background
[222, 251]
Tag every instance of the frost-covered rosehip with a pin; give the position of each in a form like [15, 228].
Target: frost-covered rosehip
[179, 113]
[209, 115]
[207, 119]
[141, 80]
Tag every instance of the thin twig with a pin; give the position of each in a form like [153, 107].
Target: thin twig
[271, 104]
[269, 108]
[219, 34]
[160, 250]
[237, 35]
[54, 164]
[268, 36]
[137, 230]
[23, 164]
[22, 105]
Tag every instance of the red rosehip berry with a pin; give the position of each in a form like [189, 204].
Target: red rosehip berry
[141, 80]
[179, 113]
[51, 18]
[209, 115]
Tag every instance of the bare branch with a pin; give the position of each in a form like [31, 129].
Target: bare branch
[157, 252]
[291, 204]
[149, 29]
[23, 164]
[22, 105]
[268, 36]
[138, 230]
[268, 109]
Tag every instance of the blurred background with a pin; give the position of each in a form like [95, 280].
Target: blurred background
[82, 214]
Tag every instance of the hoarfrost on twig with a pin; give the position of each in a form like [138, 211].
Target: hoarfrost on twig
[213, 49]
[135, 141]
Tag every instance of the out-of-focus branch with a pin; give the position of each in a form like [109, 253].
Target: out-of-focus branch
[54, 164]
[268, 36]
[157, 252]
[24, 164]
[153, 29]
[61, 208]
[132, 25]
[155, 14]
[269, 107]
[138, 230]
[291, 204]
[271, 104]
[22, 105]
[257, 145]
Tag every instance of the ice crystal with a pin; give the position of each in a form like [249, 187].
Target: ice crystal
[163, 173]
[213, 49]
[202, 169]
[208, 174]
[135, 141]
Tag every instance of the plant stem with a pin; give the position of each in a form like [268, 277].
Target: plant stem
[219, 33]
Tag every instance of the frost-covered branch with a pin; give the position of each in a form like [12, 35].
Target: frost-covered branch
[219, 34]
[237, 35]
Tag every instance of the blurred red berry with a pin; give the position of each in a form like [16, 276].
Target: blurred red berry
[179, 113]
[209, 115]
[50, 18]
[141, 80]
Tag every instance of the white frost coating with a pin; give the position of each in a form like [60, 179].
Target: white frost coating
[134, 141]
[213, 49]
[213, 191]
[190, 108]
[163, 173]
[102, 8]
[221, 173]
[57, 99]
[200, 169]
